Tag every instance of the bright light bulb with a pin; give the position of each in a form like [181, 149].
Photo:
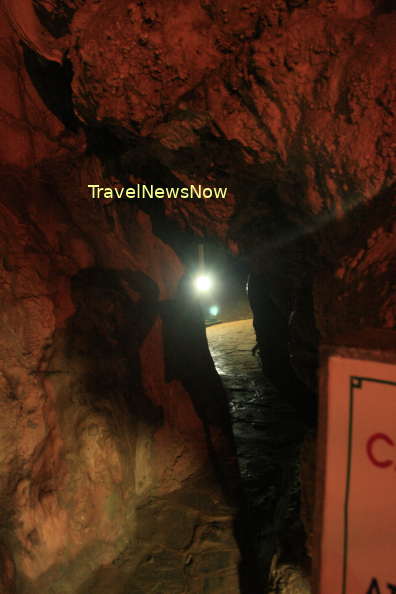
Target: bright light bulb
[203, 283]
[214, 310]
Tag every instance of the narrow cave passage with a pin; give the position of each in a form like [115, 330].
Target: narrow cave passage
[268, 437]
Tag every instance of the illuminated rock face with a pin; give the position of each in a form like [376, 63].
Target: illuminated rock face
[110, 430]
[289, 104]
[304, 96]
[106, 480]
[105, 470]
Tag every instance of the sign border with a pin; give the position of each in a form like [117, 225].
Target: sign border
[369, 344]
[355, 383]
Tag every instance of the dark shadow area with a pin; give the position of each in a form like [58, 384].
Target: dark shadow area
[385, 6]
[109, 327]
[274, 315]
[268, 437]
[187, 356]
[52, 81]
[57, 17]
[106, 333]
[188, 359]
[271, 407]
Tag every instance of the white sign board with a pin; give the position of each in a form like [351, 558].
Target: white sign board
[357, 536]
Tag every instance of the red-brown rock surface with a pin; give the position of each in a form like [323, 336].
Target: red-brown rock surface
[106, 480]
[109, 434]
[293, 99]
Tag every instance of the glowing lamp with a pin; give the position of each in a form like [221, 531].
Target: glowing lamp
[203, 283]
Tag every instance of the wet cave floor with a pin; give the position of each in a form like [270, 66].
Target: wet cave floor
[268, 437]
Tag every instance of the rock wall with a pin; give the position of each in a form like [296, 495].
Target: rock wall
[111, 437]
[288, 104]
[113, 443]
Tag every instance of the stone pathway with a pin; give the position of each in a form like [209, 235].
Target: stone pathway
[231, 348]
[268, 439]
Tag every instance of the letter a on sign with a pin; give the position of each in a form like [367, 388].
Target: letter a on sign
[374, 587]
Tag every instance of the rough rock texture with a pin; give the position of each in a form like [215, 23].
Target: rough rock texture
[110, 436]
[289, 104]
[106, 426]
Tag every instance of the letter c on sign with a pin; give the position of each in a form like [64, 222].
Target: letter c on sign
[369, 447]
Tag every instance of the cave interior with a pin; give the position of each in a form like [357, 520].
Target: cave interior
[146, 445]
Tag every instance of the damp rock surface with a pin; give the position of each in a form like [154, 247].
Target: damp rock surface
[113, 422]
[268, 442]
[107, 469]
